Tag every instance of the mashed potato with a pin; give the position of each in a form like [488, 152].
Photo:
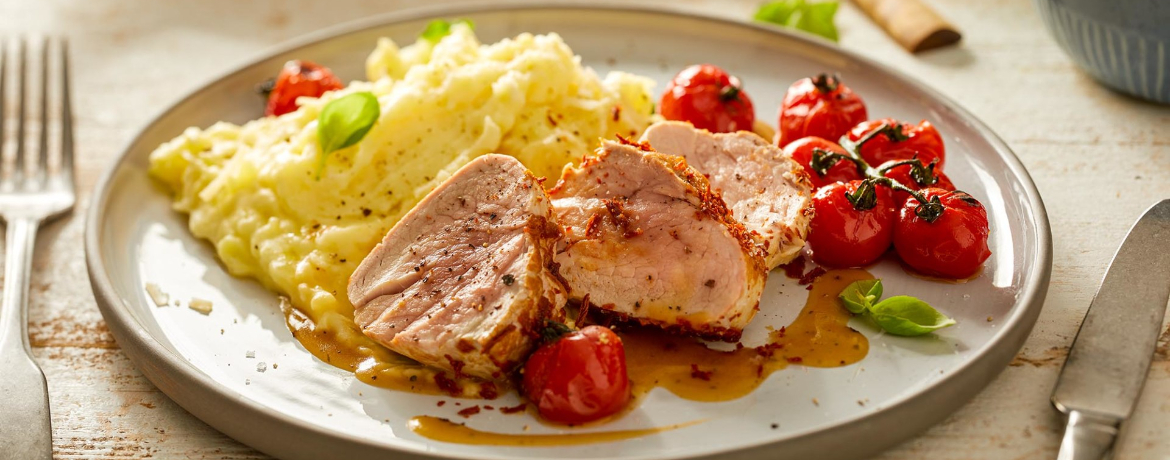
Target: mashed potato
[254, 190]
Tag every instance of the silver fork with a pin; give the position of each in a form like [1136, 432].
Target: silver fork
[31, 193]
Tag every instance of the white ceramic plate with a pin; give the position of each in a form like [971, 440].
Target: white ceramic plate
[307, 409]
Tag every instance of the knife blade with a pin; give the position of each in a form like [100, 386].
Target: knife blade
[1110, 356]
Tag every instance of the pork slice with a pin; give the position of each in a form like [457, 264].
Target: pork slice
[646, 238]
[767, 191]
[463, 281]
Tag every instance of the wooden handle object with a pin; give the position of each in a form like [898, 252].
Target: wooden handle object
[911, 23]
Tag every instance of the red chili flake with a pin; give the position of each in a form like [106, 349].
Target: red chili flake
[698, 374]
[468, 412]
[593, 225]
[489, 408]
[514, 409]
[487, 390]
[767, 350]
[441, 403]
[811, 276]
[621, 218]
[794, 269]
[456, 365]
[449, 386]
[795, 359]
[583, 311]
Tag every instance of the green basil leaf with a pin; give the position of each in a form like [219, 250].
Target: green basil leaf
[908, 316]
[440, 28]
[812, 17]
[344, 121]
[817, 19]
[861, 295]
[777, 12]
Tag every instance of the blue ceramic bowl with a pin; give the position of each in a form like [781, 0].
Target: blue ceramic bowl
[1125, 44]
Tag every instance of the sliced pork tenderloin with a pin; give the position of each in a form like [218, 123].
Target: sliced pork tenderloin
[647, 239]
[766, 190]
[467, 277]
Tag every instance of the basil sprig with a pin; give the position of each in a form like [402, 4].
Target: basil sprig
[344, 121]
[899, 315]
[440, 28]
[813, 17]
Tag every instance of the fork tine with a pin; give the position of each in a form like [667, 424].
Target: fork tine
[3, 100]
[66, 116]
[42, 164]
[21, 114]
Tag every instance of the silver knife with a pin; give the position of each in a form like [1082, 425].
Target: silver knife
[1109, 359]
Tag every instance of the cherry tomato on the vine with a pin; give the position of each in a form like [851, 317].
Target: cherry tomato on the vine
[947, 237]
[709, 98]
[852, 224]
[579, 377]
[299, 79]
[820, 106]
[889, 139]
[803, 151]
[916, 177]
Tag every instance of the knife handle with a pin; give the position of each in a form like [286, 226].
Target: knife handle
[1087, 436]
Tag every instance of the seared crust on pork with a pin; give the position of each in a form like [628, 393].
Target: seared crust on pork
[766, 190]
[647, 238]
[467, 277]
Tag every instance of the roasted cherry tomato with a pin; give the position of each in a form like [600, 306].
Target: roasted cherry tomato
[299, 79]
[889, 139]
[579, 377]
[709, 98]
[805, 149]
[915, 176]
[947, 237]
[820, 106]
[852, 224]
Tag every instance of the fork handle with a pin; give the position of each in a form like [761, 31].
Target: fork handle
[28, 434]
[18, 257]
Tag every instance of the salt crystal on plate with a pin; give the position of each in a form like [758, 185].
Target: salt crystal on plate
[261, 366]
[200, 305]
[250, 354]
[160, 298]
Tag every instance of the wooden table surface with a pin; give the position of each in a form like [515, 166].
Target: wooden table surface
[1098, 158]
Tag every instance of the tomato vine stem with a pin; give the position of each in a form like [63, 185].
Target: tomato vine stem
[826, 83]
[865, 196]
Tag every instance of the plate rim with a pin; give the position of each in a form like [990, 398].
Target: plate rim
[194, 389]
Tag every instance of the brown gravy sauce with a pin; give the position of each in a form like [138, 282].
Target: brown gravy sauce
[818, 337]
[441, 429]
[377, 365]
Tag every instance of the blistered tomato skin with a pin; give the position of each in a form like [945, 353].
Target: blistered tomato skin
[820, 106]
[842, 236]
[898, 141]
[902, 174]
[954, 245]
[579, 378]
[708, 98]
[299, 79]
[802, 151]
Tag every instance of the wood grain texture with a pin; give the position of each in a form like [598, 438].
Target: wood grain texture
[1098, 158]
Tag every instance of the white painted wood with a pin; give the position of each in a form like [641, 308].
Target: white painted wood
[1098, 158]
